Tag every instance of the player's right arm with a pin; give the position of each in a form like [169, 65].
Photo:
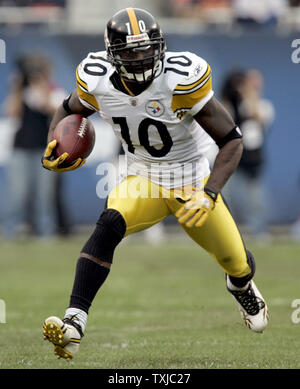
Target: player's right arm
[70, 106]
[81, 101]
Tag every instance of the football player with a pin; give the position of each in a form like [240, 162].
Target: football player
[162, 107]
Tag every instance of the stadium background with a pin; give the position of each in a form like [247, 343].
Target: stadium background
[223, 44]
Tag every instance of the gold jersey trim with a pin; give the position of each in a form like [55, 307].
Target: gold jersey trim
[181, 87]
[87, 97]
[80, 81]
[183, 102]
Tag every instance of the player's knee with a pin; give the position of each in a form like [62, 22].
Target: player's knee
[110, 230]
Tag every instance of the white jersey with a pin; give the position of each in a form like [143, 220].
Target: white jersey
[160, 138]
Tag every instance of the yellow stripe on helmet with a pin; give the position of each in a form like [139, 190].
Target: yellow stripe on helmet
[133, 21]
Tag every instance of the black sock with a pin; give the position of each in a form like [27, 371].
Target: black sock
[239, 282]
[88, 280]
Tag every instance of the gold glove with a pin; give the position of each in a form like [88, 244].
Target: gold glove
[196, 210]
[53, 164]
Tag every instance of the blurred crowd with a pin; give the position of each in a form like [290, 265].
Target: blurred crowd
[34, 194]
[250, 13]
[32, 3]
[244, 12]
[242, 95]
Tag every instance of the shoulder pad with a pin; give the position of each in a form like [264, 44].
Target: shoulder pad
[190, 82]
[89, 71]
[185, 68]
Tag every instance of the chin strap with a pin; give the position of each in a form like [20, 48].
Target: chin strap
[126, 87]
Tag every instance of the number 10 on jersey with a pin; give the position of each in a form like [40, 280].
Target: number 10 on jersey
[143, 134]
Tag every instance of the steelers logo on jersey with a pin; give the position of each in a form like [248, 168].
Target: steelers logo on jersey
[155, 108]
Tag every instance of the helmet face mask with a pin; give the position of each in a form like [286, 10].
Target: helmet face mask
[136, 57]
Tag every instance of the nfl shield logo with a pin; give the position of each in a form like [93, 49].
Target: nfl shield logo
[133, 102]
[155, 108]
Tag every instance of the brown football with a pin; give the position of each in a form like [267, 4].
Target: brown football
[75, 135]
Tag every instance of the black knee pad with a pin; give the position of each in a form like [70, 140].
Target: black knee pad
[109, 231]
[240, 282]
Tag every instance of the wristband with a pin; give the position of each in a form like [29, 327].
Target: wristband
[211, 194]
[66, 105]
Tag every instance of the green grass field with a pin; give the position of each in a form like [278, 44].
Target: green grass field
[162, 307]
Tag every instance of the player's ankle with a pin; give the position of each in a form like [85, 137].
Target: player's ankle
[237, 284]
[77, 316]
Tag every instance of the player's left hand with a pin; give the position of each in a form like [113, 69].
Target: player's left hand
[196, 210]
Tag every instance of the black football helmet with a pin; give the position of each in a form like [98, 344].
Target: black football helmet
[135, 45]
